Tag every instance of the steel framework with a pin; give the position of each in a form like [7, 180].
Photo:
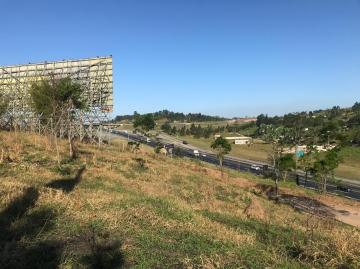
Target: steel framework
[93, 74]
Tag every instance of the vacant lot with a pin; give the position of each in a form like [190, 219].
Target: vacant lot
[112, 208]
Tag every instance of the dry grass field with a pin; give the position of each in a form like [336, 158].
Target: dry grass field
[111, 208]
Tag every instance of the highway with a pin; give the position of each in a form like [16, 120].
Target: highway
[347, 189]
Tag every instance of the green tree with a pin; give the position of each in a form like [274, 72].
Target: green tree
[56, 102]
[356, 107]
[355, 136]
[4, 102]
[144, 122]
[173, 130]
[208, 131]
[166, 127]
[307, 161]
[182, 131]
[222, 147]
[285, 164]
[325, 165]
[3, 108]
[53, 97]
[192, 129]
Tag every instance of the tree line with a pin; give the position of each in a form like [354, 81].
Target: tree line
[329, 126]
[198, 131]
[172, 116]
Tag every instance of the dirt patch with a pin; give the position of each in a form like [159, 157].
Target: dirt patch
[347, 211]
[255, 211]
[323, 207]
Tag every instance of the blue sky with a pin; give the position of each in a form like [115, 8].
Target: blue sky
[229, 58]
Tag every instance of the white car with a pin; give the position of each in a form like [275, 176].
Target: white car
[196, 153]
[255, 167]
[148, 140]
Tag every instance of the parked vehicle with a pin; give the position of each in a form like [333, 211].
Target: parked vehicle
[255, 167]
[196, 153]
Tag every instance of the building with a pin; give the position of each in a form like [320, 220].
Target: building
[237, 140]
[244, 140]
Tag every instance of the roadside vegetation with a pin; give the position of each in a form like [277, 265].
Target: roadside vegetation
[327, 128]
[107, 209]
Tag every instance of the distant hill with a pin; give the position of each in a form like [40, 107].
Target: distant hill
[340, 115]
[173, 116]
[334, 124]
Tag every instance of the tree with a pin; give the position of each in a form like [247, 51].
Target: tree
[56, 102]
[173, 130]
[356, 107]
[325, 165]
[355, 136]
[144, 122]
[166, 127]
[354, 121]
[307, 161]
[182, 131]
[222, 147]
[278, 138]
[192, 129]
[4, 102]
[329, 132]
[285, 164]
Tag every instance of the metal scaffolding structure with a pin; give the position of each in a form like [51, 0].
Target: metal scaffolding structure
[95, 75]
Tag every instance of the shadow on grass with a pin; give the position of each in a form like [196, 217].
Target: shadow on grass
[67, 185]
[21, 220]
[22, 244]
[97, 248]
[104, 255]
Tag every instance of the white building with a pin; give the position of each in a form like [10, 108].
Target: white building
[239, 140]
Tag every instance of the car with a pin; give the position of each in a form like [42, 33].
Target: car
[196, 153]
[169, 146]
[203, 154]
[255, 167]
[343, 188]
[148, 140]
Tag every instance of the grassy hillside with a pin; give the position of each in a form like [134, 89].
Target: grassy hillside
[108, 209]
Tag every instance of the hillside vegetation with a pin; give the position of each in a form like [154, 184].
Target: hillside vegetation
[172, 116]
[112, 208]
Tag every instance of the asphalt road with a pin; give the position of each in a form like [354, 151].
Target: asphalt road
[346, 189]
